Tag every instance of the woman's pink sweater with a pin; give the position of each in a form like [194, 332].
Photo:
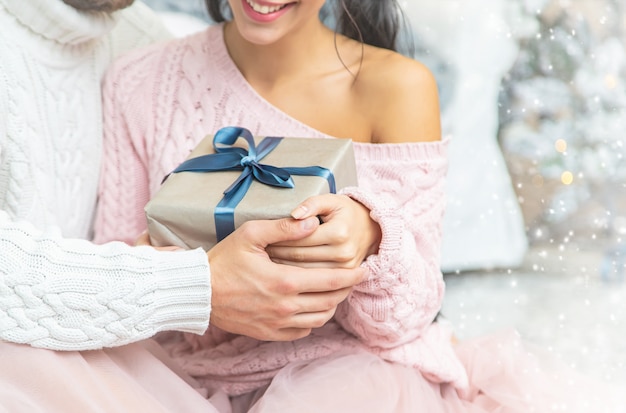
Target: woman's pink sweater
[161, 101]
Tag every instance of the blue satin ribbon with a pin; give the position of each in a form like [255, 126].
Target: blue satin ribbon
[231, 158]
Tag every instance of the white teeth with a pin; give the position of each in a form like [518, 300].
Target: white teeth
[264, 9]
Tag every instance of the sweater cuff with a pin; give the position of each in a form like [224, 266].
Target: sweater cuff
[391, 225]
[183, 293]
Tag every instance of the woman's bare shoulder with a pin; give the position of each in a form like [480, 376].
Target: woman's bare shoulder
[400, 95]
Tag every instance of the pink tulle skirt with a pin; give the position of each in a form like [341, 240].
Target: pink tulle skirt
[505, 377]
[133, 378]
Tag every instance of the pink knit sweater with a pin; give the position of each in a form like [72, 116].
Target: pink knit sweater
[159, 102]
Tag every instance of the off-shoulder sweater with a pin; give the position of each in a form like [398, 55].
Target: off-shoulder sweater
[161, 101]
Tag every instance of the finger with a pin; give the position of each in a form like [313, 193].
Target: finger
[314, 206]
[320, 302]
[285, 334]
[346, 253]
[266, 232]
[323, 235]
[306, 280]
[300, 325]
[318, 253]
[143, 239]
[264, 333]
[314, 264]
[313, 240]
[310, 320]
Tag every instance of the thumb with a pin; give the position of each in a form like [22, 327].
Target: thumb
[285, 229]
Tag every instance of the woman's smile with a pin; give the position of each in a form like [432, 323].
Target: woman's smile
[262, 11]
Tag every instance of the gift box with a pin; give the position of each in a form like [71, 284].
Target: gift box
[233, 177]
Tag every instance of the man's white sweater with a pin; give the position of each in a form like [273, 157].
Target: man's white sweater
[57, 290]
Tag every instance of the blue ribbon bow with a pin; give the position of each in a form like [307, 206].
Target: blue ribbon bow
[231, 158]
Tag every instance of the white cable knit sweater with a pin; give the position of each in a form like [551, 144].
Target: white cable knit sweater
[57, 291]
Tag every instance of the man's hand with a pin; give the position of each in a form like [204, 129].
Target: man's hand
[254, 296]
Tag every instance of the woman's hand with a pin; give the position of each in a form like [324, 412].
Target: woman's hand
[348, 235]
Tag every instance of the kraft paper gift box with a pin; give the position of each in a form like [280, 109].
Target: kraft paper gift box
[191, 209]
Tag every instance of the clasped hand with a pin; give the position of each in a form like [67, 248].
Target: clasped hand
[268, 300]
[348, 235]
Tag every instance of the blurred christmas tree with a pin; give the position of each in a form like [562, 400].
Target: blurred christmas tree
[562, 111]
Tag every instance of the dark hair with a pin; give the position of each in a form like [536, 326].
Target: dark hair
[374, 22]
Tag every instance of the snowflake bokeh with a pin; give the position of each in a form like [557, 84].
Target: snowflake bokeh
[562, 111]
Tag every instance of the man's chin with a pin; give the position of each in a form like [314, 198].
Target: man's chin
[98, 5]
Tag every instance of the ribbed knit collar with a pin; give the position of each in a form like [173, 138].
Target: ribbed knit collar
[55, 20]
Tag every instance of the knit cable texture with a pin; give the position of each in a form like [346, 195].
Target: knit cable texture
[63, 293]
[72, 295]
[164, 100]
